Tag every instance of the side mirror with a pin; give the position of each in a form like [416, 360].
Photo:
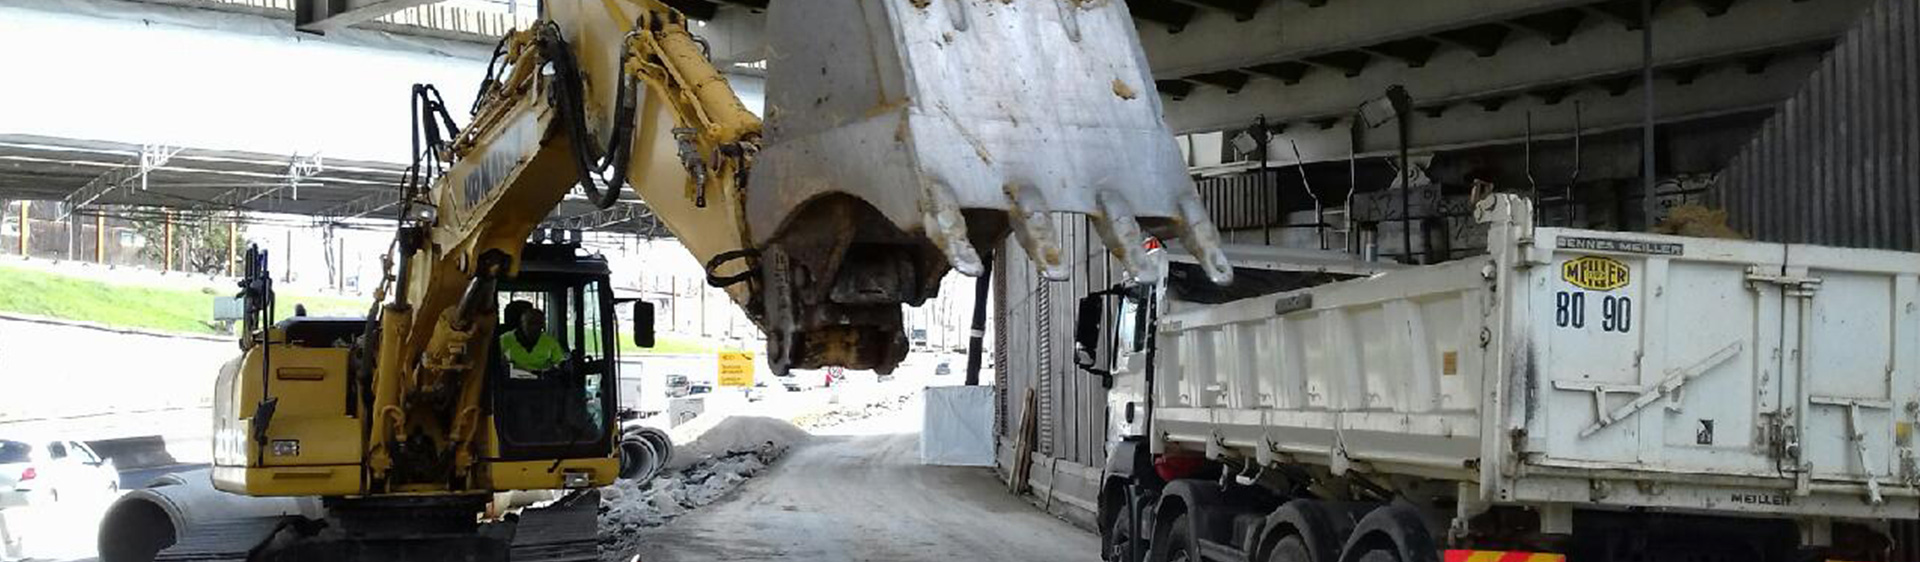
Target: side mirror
[643, 323]
[1086, 331]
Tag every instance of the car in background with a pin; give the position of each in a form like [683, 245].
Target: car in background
[678, 386]
[759, 390]
[42, 472]
[944, 369]
[50, 469]
[699, 388]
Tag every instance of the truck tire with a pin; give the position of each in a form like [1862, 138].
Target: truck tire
[1179, 543]
[1292, 548]
[1391, 533]
[1116, 540]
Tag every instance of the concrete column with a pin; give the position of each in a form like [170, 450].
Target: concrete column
[339, 264]
[99, 239]
[233, 237]
[166, 255]
[26, 227]
[286, 271]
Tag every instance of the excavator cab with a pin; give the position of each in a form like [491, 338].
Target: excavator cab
[298, 430]
[547, 405]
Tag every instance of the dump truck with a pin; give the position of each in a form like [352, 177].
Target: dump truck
[1570, 393]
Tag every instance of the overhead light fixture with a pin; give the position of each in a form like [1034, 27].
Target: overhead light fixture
[1244, 143]
[1393, 104]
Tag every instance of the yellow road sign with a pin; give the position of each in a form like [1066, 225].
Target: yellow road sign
[736, 368]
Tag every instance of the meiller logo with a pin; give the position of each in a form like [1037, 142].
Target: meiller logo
[1596, 273]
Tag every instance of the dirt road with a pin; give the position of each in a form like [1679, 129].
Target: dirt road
[860, 493]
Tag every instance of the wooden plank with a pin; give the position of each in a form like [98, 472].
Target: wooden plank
[1023, 447]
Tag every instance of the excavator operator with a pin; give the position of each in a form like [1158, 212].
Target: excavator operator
[530, 350]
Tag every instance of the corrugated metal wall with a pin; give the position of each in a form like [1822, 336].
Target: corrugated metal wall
[1242, 201]
[1035, 343]
[1839, 164]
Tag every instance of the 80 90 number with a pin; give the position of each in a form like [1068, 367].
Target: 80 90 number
[1570, 311]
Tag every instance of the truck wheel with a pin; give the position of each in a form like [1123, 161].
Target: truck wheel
[1378, 555]
[1179, 542]
[1290, 549]
[1117, 535]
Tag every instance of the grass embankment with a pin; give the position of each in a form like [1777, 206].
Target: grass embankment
[53, 295]
[40, 293]
[675, 343]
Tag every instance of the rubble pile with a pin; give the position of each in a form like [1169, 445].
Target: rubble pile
[846, 415]
[723, 455]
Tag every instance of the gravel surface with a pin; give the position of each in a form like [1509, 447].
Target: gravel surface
[857, 492]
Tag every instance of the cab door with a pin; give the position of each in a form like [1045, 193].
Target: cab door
[1127, 399]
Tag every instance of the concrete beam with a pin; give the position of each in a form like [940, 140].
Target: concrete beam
[1241, 10]
[1173, 16]
[1211, 41]
[321, 16]
[1718, 91]
[1531, 63]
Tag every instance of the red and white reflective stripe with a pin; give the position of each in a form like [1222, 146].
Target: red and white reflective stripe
[1502, 556]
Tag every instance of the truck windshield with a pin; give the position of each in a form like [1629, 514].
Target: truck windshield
[1129, 328]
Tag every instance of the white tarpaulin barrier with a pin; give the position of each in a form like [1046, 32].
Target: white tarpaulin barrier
[957, 426]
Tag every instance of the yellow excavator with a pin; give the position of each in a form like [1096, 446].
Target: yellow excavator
[901, 139]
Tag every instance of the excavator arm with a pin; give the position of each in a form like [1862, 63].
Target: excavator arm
[668, 123]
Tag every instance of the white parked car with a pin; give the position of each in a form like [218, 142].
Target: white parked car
[40, 473]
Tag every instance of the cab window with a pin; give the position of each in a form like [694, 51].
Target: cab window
[552, 402]
[1131, 324]
[86, 455]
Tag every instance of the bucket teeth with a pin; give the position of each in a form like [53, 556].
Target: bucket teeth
[957, 10]
[1033, 227]
[940, 212]
[1070, 18]
[1200, 238]
[1120, 230]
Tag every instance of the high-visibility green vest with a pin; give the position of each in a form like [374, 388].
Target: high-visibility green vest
[545, 353]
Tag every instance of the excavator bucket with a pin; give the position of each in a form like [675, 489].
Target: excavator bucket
[904, 137]
[942, 114]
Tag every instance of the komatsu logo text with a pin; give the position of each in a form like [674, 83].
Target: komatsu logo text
[1596, 273]
[499, 160]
